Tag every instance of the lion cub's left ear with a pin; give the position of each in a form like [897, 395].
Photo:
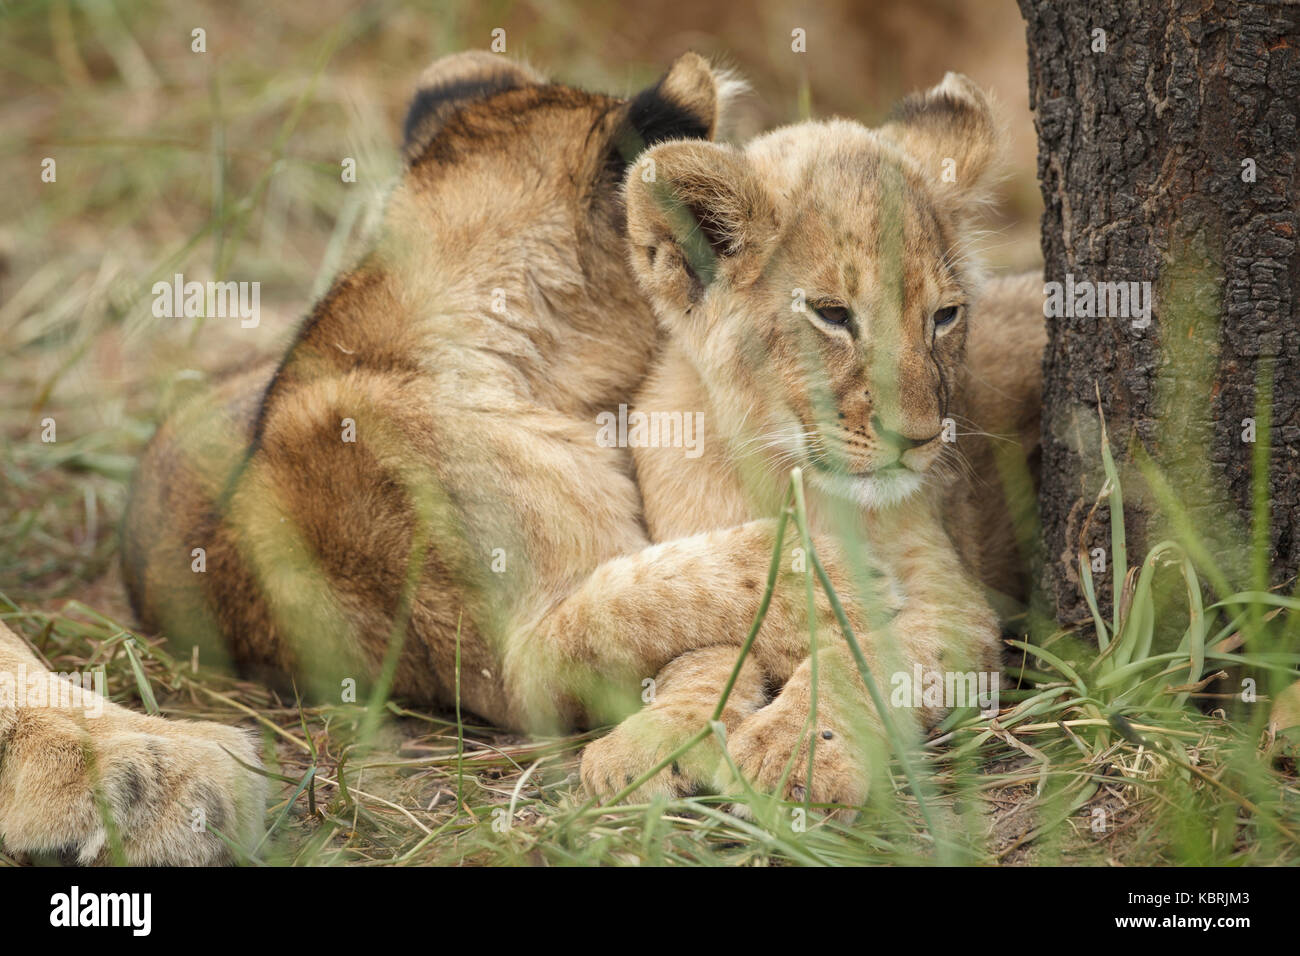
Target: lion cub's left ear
[950, 131]
[697, 213]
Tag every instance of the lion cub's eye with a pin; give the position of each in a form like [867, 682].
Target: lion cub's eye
[946, 316]
[835, 315]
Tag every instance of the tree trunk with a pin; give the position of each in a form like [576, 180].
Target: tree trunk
[1168, 154]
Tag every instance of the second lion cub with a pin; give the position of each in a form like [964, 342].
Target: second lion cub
[818, 298]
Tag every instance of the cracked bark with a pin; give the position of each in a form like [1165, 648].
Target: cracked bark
[1141, 152]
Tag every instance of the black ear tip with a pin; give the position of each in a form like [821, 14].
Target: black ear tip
[453, 81]
[682, 105]
[432, 106]
[653, 116]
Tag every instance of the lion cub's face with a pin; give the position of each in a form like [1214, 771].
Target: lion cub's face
[819, 282]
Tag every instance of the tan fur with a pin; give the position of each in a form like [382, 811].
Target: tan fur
[492, 322]
[728, 244]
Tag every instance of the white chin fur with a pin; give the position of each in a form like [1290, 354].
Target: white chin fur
[872, 492]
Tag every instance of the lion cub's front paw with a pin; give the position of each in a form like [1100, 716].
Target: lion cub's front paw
[641, 742]
[161, 783]
[761, 748]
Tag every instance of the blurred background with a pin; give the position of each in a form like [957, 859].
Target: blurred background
[225, 165]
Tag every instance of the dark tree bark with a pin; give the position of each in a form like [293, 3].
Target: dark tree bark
[1146, 154]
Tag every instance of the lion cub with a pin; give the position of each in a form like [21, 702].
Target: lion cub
[817, 296]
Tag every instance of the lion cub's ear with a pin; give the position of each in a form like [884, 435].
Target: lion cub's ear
[691, 101]
[949, 130]
[697, 213]
[448, 83]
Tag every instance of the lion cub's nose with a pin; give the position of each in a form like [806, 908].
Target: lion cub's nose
[897, 440]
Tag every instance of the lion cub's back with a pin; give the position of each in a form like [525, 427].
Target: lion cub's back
[1004, 400]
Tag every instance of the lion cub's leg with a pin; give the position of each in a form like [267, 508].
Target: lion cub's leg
[583, 662]
[686, 693]
[66, 766]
